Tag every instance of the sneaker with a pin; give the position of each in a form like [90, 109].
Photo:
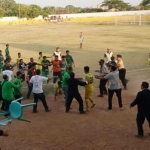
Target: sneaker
[92, 105]
[139, 136]
[82, 112]
[48, 110]
[121, 108]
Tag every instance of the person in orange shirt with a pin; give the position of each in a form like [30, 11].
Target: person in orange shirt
[56, 70]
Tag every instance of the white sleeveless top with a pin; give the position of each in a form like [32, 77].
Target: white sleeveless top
[108, 56]
[58, 54]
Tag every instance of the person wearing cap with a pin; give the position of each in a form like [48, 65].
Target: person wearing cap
[108, 55]
[142, 101]
[122, 71]
[102, 72]
[17, 92]
[114, 86]
[69, 59]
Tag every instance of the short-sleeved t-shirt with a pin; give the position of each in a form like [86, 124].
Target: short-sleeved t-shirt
[65, 79]
[7, 52]
[69, 60]
[40, 62]
[56, 65]
[18, 60]
[113, 77]
[120, 65]
[9, 73]
[63, 64]
[37, 82]
[90, 80]
[17, 82]
[46, 63]
[22, 67]
[30, 64]
[31, 73]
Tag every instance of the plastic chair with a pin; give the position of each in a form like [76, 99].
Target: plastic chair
[15, 111]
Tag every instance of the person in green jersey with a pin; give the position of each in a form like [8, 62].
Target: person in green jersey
[1, 61]
[7, 92]
[65, 82]
[17, 92]
[45, 67]
[63, 65]
[7, 54]
[69, 59]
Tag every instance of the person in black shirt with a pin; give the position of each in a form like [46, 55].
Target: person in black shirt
[73, 92]
[31, 63]
[143, 103]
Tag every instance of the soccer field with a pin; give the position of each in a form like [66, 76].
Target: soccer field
[98, 129]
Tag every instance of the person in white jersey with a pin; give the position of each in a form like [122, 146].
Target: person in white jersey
[37, 83]
[8, 72]
[108, 55]
[57, 53]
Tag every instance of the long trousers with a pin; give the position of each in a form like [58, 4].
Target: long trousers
[102, 86]
[30, 87]
[40, 96]
[110, 96]
[140, 121]
[57, 74]
[65, 89]
[122, 74]
[78, 97]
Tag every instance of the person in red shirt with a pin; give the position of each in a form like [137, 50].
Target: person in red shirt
[56, 69]
[31, 72]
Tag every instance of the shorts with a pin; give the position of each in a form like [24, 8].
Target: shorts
[88, 94]
[1, 132]
[45, 74]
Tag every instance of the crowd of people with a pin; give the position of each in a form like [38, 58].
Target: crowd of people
[64, 81]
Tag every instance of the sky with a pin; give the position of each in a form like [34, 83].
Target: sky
[76, 3]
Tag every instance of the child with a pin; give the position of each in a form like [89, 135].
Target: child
[59, 89]
[63, 65]
[17, 92]
[88, 88]
[45, 67]
[1, 61]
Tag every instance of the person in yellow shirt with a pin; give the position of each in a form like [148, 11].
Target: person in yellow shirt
[89, 88]
[18, 59]
[40, 58]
